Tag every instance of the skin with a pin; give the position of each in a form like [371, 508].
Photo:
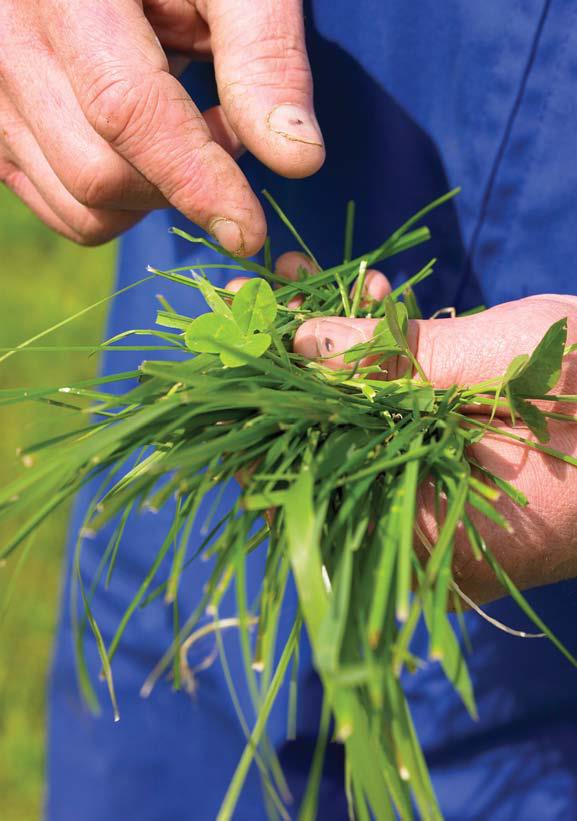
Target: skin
[542, 547]
[96, 131]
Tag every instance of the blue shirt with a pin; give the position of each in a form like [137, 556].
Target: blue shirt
[413, 98]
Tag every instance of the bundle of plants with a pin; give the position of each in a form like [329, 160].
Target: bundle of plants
[331, 461]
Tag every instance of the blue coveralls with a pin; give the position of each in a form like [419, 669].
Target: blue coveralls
[413, 98]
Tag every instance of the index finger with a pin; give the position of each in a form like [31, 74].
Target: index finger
[120, 76]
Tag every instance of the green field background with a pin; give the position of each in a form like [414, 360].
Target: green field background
[44, 279]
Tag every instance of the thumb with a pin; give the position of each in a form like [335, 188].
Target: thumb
[264, 81]
[457, 351]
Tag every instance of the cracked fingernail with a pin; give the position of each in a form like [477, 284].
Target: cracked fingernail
[295, 123]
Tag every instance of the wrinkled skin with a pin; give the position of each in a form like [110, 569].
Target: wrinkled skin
[542, 547]
[96, 130]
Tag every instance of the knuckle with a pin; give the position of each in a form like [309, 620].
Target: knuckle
[97, 184]
[274, 47]
[93, 237]
[120, 107]
[274, 61]
[92, 230]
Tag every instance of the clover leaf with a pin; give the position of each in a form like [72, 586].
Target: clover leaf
[254, 307]
[234, 333]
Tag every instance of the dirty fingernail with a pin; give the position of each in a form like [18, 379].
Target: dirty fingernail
[295, 123]
[228, 234]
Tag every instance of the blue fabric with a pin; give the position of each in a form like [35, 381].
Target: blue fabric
[413, 98]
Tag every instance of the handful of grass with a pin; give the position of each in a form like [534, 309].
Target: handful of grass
[339, 456]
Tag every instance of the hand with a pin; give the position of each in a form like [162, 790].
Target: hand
[542, 547]
[96, 131]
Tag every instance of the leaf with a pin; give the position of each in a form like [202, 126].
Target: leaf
[332, 628]
[254, 307]
[301, 527]
[487, 509]
[515, 368]
[386, 542]
[407, 490]
[229, 803]
[542, 371]
[264, 500]
[207, 333]
[338, 448]
[415, 396]
[388, 338]
[524, 605]
[309, 806]
[411, 304]
[452, 660]
[214, 333]
[168, 319]
[535, 420]
[213, 299]
[397, 319]
[382, 344]
[254, 345]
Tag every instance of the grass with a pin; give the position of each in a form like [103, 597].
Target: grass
[326, 445]
[44, 279]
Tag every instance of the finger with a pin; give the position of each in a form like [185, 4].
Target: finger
[236, 284]
[459, 351]
[222, 132]
[83, 161]
[534, 549]
[264, 81]
[120, 77]
[475, 348]
[177, 63]
[328, 340]
[375, 288]
[15, 179]
[86, 165]
[179, 26]
[37, 184]
[292, 265]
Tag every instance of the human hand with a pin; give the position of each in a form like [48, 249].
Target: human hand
[96, 131]
[542, 545]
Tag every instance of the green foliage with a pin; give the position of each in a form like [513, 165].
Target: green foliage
[537, 375]
[340, 454]
[542, 370]
[385, 342]
[238, 333]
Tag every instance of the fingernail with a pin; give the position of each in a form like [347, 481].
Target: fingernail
[228, 234]
[295, 302]
[295, 123]
[376, 285]
[336, 337]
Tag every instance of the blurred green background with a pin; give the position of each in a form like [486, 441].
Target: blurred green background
[44, 279]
